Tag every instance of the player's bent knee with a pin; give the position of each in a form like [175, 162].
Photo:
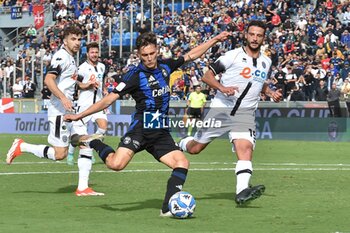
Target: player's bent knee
[183, 163]
[60, 156]
[115, 165]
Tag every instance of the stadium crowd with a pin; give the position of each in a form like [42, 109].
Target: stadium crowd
[307, 40]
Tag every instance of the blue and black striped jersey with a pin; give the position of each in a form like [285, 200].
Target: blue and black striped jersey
[149, 87]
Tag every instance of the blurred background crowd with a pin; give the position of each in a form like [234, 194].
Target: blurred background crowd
[308, 42]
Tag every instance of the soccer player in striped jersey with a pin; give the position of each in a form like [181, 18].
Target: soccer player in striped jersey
[61, 80]
[244, 71]
[148, 83]
[91, 74]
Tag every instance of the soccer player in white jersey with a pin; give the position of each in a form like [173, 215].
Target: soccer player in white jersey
[90, 71]
[61, 80]
[244, 71]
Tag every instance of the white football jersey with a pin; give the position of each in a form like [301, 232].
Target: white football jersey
[64, 67]
[239, 69]
[90, 72]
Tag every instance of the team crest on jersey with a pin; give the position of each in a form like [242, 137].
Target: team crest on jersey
[127, 140]
[65, 138]
[164, 72]
[264, 65]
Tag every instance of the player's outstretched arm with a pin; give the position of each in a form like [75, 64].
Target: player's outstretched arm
[96, 107]
[202, 48]
[209, 78]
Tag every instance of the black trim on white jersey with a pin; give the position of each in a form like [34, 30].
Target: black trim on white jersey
[58, 127]
[95, 92]
[54, 70]
[239, 100]
[217, 67]
[255, 62]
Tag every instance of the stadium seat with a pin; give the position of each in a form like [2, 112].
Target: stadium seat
[115, 41]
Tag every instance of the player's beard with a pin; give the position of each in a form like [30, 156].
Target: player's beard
[257, 49]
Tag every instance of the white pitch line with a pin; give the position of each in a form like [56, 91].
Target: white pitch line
[167, 170]
[203, 163]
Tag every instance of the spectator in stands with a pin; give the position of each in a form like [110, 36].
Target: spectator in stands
[110, 84]
[345, 70]
[17, 89]
[45, 96]
[333, 101]
[345, 91]
[338, 81]
[296, 94]
[174, 96]
[31, 32]
[321, 91]
[345, 39]
[62, 13]
[29, 88]
[9, 69]
[309, 83]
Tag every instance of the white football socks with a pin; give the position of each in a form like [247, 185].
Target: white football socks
[84, 165]
[242, 169]
[38, 150]
[100, 131]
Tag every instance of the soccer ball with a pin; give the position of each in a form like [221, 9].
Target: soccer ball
[182, 205]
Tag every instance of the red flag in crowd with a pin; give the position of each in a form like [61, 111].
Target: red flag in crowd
[38, 12]
[6, 105]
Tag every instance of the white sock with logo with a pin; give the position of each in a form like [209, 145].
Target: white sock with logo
[84, 165]
[100, 131]
[38, 150]
[243, 171]
[183, 143]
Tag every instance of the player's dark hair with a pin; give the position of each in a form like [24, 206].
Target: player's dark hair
[145, 39]
[92, 45]
[257, 23]
[72, 29]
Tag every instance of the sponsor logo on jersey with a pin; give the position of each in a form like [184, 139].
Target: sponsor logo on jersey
[152, 81]
[257, 75]
[151, 78]
[164, 72]
[161, 91]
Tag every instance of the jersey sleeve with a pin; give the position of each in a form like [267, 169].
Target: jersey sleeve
[81, 73]
[174, 63]
[126, 85]
[222, 63]
[57, 64]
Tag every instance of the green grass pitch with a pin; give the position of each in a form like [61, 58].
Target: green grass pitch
[307, 190]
